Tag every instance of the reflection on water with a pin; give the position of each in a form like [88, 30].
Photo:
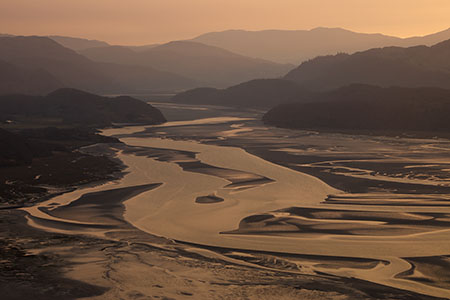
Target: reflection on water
[205, 121]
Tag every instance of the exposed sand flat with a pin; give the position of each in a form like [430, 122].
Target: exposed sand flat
[414, 202]
[430, 270]
[179, 217]
[235, 131]
[275, 209]
[368, 174]
[98, 207]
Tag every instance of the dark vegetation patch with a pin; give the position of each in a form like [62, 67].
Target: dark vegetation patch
[71, 107]
[32, 160]
[362, 107]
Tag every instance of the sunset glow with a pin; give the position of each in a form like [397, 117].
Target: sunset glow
[155, 21]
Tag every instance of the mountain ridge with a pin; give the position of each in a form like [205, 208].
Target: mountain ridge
[15, 79]
[206, 64]
[281, 46]
[389, 66]
[77, 71]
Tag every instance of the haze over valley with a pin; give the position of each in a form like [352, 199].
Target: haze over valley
[149, 150]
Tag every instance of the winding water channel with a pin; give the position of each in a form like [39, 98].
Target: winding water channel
[393, 231]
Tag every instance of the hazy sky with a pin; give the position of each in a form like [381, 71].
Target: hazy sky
[149, 21]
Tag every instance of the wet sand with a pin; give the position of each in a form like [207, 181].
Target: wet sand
[96, 210]
[127, 263]
[130, 264]
[271, 216]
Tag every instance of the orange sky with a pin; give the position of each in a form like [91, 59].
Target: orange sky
[150, 21]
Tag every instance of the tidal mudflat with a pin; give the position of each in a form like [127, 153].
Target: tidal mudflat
[314, 208]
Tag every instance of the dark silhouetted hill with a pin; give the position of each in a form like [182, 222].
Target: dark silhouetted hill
[142, 79]
[14, 79]
[208, 65]
[361, 107]
[296, 46]
[254, 93]
[75, 107]
[77, 71]
[392, 66]
[66, 65]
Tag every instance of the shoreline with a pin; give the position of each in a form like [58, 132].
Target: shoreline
[48, 177]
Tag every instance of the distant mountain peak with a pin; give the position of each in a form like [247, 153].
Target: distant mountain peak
[192, 47]
[207, 65]
[296, 46]
[65, 67]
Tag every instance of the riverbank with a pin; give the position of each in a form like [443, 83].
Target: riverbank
[37, 164]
